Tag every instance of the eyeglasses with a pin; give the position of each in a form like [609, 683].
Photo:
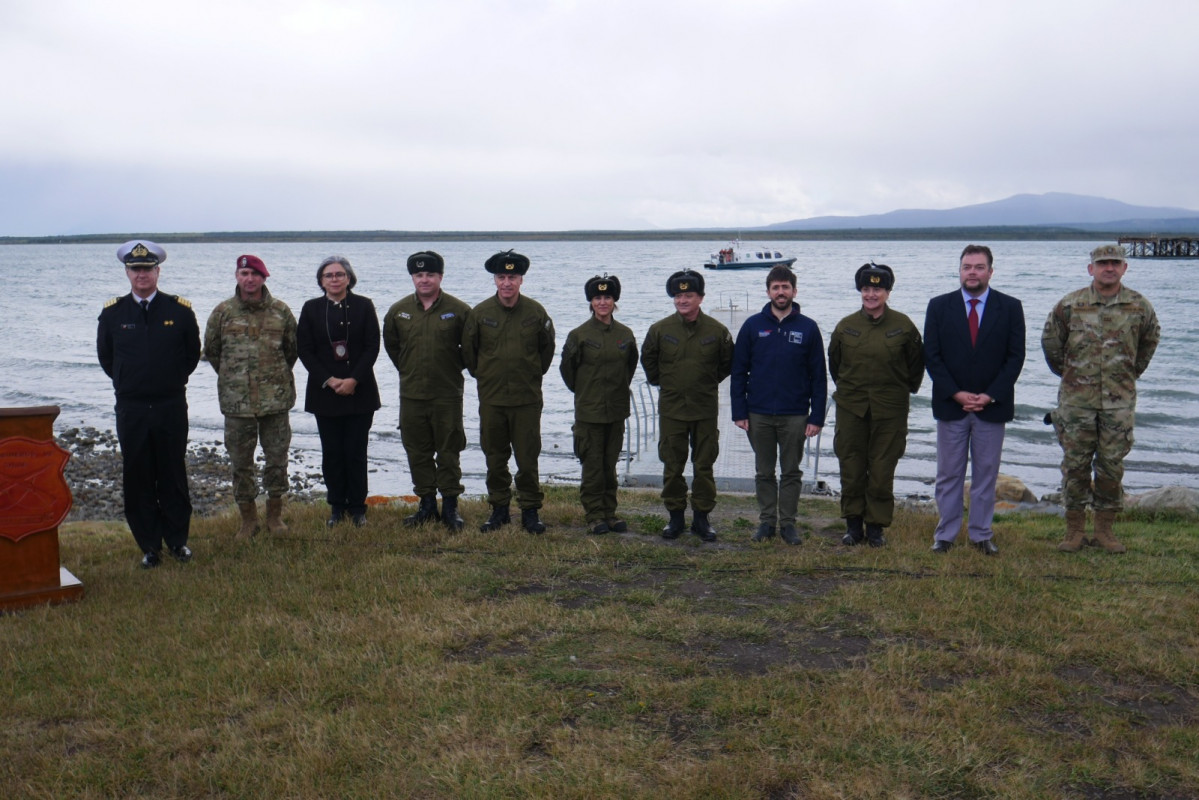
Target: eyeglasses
[338, 275]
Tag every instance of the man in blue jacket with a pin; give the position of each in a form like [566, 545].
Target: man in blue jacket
[974, 351]
[779, 393]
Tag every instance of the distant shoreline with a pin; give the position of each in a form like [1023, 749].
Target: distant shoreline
[994, 233]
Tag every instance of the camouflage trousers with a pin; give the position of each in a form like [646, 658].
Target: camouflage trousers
[241, 439]
[1094, 442]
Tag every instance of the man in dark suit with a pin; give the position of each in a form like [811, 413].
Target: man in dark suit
[974, 351]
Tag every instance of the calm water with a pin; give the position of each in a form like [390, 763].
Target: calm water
[48, 329]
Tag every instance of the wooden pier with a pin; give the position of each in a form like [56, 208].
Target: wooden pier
[1161, 246]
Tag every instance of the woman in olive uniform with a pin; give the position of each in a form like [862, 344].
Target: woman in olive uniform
[598, 364]
[876, 358]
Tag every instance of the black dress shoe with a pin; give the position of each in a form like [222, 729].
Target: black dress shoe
[151, 560]
[617, 525]
[987, 547]
[182, 553]
[600, 528]
[765, 531]
[942, 546]
[790, 535]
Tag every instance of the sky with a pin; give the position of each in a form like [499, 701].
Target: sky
[446, 115]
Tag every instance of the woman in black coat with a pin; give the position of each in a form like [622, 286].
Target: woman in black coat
[338, 336]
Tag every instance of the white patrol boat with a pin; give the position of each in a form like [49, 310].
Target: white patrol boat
[740, 256]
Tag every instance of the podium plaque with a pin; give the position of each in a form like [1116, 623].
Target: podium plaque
[34, 499]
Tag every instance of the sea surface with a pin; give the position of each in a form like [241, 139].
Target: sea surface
[55, 293]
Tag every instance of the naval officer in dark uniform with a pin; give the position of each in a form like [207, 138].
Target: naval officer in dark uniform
[148, 342]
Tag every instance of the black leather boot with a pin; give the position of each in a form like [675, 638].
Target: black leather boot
[530, 521]
[874, 536]
[853, 532]
[701, 527]
[449, 514]
[426, 513]
[674, 526]
[498, 519]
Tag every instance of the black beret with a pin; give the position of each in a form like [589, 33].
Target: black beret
[879, 275]
[426, 261]
[602, 284]
[686, 281]
[508, 262]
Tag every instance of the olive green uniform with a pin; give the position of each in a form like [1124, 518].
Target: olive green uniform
[598, 364]
[508, 350]
[426, 347]
[876, 364]
[1099, 346]
[688, 360]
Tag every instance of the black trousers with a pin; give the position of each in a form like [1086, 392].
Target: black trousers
[343, 459]
[153, 438]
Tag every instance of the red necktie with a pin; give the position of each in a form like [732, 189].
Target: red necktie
[972, 318]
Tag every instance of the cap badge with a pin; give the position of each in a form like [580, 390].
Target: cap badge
[509, 266]
[241, 262]
[139, 251]
[684, 286]
[420, 265]
[601, 287]
[875, 279]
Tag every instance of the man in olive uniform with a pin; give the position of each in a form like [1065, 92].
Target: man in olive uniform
[598, 364]
[508, 345]
[1099, 340]
[422, 334]
[250, 341]
[148, 342]
[687, 355]
[876, 358]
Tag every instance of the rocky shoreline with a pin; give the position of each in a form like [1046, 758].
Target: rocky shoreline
[94, 476]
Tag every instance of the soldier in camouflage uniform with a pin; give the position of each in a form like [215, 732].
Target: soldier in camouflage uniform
[688, 354]
[508, 345]
[422, 334]
[250, 340]
[1098, 340]
[598, 365]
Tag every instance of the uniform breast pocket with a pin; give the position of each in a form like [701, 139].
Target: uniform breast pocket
[530, 336]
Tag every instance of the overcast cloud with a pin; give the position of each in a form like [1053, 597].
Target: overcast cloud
[541, 115]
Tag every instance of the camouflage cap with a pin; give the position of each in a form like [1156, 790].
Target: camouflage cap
[1108, 252]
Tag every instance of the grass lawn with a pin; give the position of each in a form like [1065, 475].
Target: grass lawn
[395, 662]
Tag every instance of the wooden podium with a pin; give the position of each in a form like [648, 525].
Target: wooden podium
[34, 499]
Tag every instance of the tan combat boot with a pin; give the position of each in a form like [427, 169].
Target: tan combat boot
[274, 515]
[1103, 532]
[249, 520]
[1076, 532]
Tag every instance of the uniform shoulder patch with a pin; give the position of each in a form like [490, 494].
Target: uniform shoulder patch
[112, 302]
[183, 301]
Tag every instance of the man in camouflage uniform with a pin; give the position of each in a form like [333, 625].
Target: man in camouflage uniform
[422, 334]
[250, 340]
[688, 354]
[1098, 340]
[508, 345]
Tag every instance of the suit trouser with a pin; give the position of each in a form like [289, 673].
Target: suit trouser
[868, 449]
[1093, 441]
[433, 438]
[675, 437]
[597, 446]
[982, 443]
[777, 438]
[343, 459]
[505, 431]
[241, 440]
[153, 438]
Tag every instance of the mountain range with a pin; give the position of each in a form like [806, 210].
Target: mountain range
[1053, 209]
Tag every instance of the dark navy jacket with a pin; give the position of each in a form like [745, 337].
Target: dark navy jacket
[148, 355]
[990, 367]
[778, 367]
